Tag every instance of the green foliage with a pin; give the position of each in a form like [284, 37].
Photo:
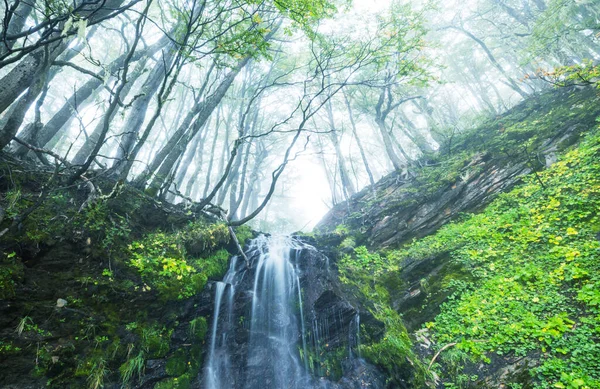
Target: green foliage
[342, 230]
[7, 348]
[27, 327]
[532, 264]
[347, 244]
[177, 363]
[182, 382]
[244, 233]
[325, 361]
[133, 367]
[581, 74]
[370, 274]
[109, 228]
[154, 340]
[533, 254]
[198, 328]
[11, 270]
[95, 370]
[163, 262]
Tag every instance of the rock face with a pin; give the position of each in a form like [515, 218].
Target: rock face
[273, 320]
[485, 163]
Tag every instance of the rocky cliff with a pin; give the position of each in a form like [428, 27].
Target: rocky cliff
[469, 171]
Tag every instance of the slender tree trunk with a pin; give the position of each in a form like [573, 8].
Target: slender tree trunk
[65, 114]
[363, 155]
[13, 123]
[239, 186]
[17, 20]
[116, 97]
[24, 74]
[330, 180]
[96, 135]
[212, 152]
[29, 134]
[414, 134]
[254, 181]
[137, 112]
[203, 109]
[511, 82]
[344, 176]
[226, 152]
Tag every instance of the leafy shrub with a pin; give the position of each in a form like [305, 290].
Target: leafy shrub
[163, 261]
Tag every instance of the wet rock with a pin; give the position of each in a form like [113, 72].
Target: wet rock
[254, 359]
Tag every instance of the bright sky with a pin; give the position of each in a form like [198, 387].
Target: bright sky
[307, 193]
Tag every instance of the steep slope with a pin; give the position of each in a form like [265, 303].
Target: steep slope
[469, 172]
[510, 293]
[112, 294]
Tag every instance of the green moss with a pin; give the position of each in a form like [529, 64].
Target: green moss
[326, 362]
[532, 256]
[347, 244]
[177, 363]
[394, 351]
[155, 341]
[182, 382]
[198, 328]
[167, 262]
[370, 275]
[244, 233]
[11, 271]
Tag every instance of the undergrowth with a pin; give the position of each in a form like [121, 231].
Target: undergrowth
[534, 287]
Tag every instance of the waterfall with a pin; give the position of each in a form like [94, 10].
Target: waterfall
[276, 322]
[218, 366]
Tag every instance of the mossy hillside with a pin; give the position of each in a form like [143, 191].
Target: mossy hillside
[529, 285]
[118, 314]
[369, 277]
[535, 255]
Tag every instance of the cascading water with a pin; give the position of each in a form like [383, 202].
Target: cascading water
[276, 322]
[218, 367]
[279, 323]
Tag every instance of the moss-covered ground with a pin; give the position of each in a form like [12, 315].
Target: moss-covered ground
[108, 294]
[525, 288]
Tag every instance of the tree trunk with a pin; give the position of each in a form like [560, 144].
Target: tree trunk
[363, 155]
[15, 25]
[91, 142]
[30, 133]
[24, 74]
[137, 112]
[13, 123]
[116, 97]
[344, 176]
[511, 82]
[254, 180]
[203, 109]
[212, 152]
[65, 114]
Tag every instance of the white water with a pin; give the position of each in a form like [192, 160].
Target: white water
[276, 323]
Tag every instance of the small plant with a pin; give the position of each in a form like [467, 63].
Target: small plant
[98, 372]
[25, 323]
[133, 367]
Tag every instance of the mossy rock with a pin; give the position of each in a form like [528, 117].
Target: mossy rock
[177, 363]
[199, 327]
[182, 382]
